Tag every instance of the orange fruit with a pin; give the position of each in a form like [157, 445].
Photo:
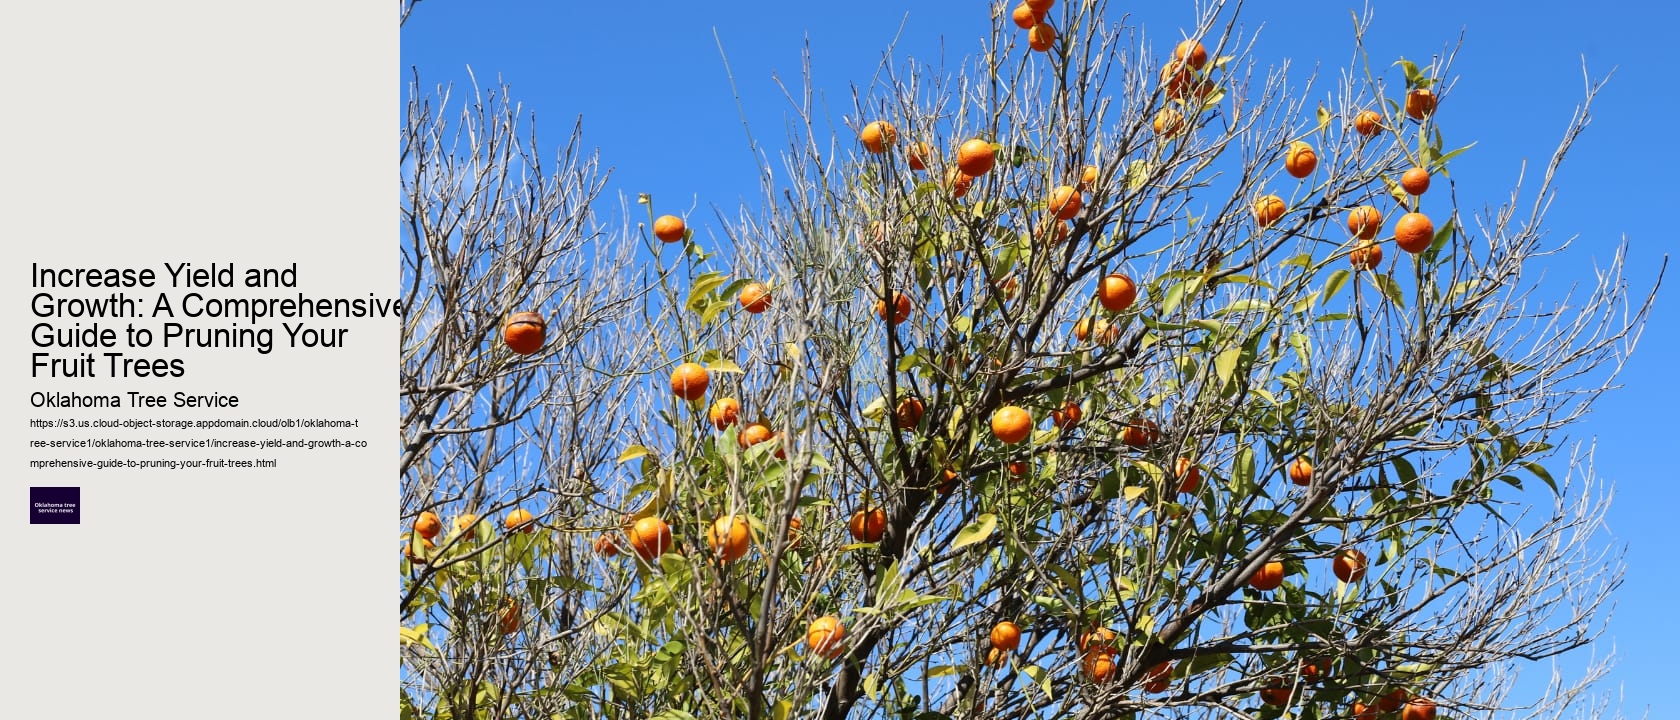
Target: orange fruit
[1189, 476]
[1088, 178]
[950, 483]
[1040, 6]
[464, 523]
[1100, 640]
[909, 412]
[523, 332]
[508, 621]
[1068, 416]
[754, 434]
[1268, 209]
[1158, 677]
[919, 154]
[1116, 292]
[1008, 286]
[1300, 160]
[755, 298]
[878, 136]
[1368, 255]
[520, 519]
[793, 534]
[1420, 104]
[1368, 123]
[1041, 37]
[1364, 222]
[1011, 424]
[824, 636]
[606, 545]
[868, 525]
[650, 537]
[669, 228]
[975, 157]
[426, 548]
[1019, 468]
[1418, 708]
[1006, 636]
[1025, 17]
[1415, 181]
[1300, 471]
[901, 308]
[689, 381]
[729, 537]
[1349, 566]
[1268, 577]
[1100, 666]
[958, 182]
[996, 657]
[1275, 693]
[1065, 202]
[1309, 671]
[724, 412]
[428, 525]
[1052, 231]
[1169, 122]
[1191, 53]
[1414, 232]
[1104, 332]
[1140, 433]
[1176, 77]
[1361, 711]
[1392, 701]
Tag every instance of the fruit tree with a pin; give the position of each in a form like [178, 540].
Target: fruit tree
[1108, 376]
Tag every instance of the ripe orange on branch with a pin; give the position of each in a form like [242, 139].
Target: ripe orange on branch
[1300, 471]
[724, 412]
[689, 381]
[918, 155]
[1418, 708]
[878, 136]
[868, 525]
[1065, 202]
[755, 298]
[1414, 232]
[1189, 476]
[1420, 103]
[729, 537]
[825, 635]
[669, 228]
[1415, 181]
[900, 309]
[1116, 292]
[1140, 433]
[1349, 565]
[1025, 17]
[1011, 424]
[1191, 53]
[1169, 123]
[975, 157]
[1368, 255]
[1068, 416]
[523, 332]
[754, 434]
[908, 413]
[1268, 577]
[1300, 160]
[428, 525]
[1368, 123]
[1041, 37]
[1006, 636]
[520, 520]
[650, 537]
[1364, 222]
[1268, 209]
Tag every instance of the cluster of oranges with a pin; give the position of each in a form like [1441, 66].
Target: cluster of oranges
[1030, 16]
[1414, 232]
[421, 542]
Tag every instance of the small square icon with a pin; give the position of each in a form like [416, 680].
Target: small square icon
[55, 506]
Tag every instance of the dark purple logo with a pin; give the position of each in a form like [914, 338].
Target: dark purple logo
[55, 506]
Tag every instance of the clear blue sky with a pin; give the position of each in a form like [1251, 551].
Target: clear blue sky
[649, 84]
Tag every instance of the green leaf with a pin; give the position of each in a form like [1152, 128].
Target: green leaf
[1540, 471]
[976, 531]
[1041, 677]
[1389, 288]
[632, 452]
[723, 366]
[941, 670]
[1225, 365]
[1334, 283]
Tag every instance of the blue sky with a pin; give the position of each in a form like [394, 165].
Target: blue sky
[648, 81]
